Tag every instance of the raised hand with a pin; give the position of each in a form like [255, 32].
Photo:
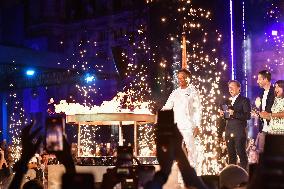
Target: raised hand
[30, 142]
[254, 113]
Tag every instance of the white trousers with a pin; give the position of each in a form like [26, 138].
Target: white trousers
[191, 150]
[190, 145]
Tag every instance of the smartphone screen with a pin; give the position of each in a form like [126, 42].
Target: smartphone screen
[54, 128]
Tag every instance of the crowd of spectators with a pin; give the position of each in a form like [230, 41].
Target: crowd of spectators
[270, 166]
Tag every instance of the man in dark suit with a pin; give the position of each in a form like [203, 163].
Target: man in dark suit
[267, 98]
[235, 130]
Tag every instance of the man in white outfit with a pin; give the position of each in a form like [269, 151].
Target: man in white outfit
[185, 102]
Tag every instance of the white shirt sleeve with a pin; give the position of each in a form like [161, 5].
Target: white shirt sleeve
[170, 102]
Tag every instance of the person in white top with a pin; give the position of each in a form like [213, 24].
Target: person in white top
[186, 104]
[276, 117]
[267, 98]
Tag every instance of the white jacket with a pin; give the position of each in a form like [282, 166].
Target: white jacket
[186, 106]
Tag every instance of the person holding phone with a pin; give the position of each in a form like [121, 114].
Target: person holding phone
[186, 104]
[31, 141]
[235, 130]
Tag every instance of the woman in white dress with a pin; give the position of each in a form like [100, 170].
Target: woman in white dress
[276, 124]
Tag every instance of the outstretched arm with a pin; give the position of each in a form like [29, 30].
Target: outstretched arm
[65, 157]
[165, 156]
[28, 150]
[267, 115]
[170, 102]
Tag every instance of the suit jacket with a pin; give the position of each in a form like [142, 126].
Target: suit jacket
[269, 103]
[237, 123]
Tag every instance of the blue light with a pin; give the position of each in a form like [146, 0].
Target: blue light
[89, 78]
[30, 72]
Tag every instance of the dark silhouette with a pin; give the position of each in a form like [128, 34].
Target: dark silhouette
[169, 148]
[29, 148]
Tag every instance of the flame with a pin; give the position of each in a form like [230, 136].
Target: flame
[122, 99]
[112, 106]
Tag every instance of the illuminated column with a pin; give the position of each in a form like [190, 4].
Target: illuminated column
[246, 51]
[233, 74]
[183, 64]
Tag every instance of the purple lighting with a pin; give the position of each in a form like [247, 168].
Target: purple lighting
[232, 41]
[246, 52]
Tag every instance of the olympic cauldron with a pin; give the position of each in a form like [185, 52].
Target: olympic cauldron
[80, 115]
[119, 119]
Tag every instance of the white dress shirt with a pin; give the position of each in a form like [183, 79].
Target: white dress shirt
[233, 99]
[263, 105]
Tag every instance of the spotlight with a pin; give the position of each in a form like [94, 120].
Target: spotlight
[30, 72]
[89, 78]
[274, 32]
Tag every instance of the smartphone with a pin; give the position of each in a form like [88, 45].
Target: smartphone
[54, 129]
[124, 156]
[78, 180]
[124, 166]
